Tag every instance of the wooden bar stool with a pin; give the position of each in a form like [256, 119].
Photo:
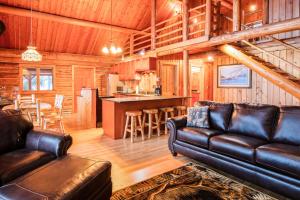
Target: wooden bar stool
[168, 111]
[181, 110]
[153, 121]
[132, 117]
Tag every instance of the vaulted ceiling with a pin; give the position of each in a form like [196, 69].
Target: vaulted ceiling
[60, 37]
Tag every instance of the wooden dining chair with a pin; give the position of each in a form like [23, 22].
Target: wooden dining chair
[35, 114]
[54, 118]
[26, 99]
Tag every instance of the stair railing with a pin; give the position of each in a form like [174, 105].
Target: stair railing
[270, 54]
[270, 37]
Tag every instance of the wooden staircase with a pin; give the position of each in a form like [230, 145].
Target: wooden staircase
[269, 71]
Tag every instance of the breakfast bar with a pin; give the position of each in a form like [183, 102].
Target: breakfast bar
[114, 110]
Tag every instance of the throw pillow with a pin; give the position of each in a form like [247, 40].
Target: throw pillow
[198, 117]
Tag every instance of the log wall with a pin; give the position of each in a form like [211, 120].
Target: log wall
[10, 77]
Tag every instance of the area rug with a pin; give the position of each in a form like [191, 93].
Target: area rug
[190, 182]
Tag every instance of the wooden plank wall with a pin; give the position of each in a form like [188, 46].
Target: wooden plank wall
[9, 74]
[262, 90]
[281, 10]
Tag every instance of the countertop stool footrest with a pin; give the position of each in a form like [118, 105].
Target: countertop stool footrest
[68, 178]
[167, 112]
[132, 126]
[181, 110]
[153, 121]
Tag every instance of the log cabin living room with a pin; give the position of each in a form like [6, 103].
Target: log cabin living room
[149, 99]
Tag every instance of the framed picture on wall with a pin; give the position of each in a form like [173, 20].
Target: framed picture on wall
[234, 76]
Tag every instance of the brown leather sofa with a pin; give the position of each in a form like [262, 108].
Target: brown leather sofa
[257, 143]
[35, 165]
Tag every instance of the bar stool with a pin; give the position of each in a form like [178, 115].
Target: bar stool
[132, 117]
[181, 110]
[166, 111]
[152, 114]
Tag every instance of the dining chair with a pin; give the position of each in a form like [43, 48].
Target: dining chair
[35, 114]
[54, 118]
[26, 99]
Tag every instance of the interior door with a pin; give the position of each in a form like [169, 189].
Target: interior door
[168, 79]
[83, 78]
[197, 83]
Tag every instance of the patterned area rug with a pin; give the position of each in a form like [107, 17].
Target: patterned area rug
[189, 182]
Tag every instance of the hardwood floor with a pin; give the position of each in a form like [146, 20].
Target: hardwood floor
[131, 162]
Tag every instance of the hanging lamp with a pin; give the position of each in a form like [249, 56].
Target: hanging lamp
[31, 54]
[111, 48]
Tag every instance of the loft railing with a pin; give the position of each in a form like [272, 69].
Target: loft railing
[170, 31]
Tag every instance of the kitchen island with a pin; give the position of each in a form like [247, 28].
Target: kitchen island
[114, 110]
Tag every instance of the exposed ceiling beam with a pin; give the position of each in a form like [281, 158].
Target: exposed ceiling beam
[67, 20]
[14, 56]
[226, 4]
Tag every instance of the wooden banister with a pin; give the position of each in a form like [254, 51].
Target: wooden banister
[269, 54]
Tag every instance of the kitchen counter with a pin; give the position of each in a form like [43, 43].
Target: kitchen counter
[114, 109]
[144, 98]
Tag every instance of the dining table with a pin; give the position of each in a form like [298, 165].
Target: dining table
[29, 106]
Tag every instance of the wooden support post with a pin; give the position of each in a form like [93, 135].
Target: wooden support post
[186, 70]
[236, 15]
[185, 37]
[185, 20]
[153, 24]
[266, 11]
[208, 18]
[218, 29]
[131, 45]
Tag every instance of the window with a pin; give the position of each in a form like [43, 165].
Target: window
[35, 79]
[46, 79]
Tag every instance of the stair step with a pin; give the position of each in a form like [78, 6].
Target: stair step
[257, 58]
[281, 72]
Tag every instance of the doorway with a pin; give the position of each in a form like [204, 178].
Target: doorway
[168, 76]
[83, 77]
[197, 83]
[201, 81]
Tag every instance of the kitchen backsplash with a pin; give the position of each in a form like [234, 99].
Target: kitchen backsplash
[146, 82]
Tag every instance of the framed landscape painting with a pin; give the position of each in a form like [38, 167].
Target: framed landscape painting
[234, 76]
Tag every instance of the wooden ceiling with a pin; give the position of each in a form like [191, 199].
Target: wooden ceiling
[53, 36]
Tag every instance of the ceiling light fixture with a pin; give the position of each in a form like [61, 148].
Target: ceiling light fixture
[31, 54]
[111, 48]
[210, 58]
[252, 7]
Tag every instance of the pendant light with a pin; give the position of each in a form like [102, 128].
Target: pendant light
[111, 48]
[31, 54]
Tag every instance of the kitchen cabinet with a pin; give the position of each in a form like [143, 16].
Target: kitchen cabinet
[145, 64]
[127, 70]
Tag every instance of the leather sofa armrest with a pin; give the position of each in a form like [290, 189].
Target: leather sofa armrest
[173, 125]
[48, 141]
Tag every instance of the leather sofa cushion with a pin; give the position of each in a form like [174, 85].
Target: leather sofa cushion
[196, 136]
[66, 178]
[254, 120]
[288, 128]
[219, 114]
[13, 130]
[20, 162]
[281, 157]
[238, 146]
